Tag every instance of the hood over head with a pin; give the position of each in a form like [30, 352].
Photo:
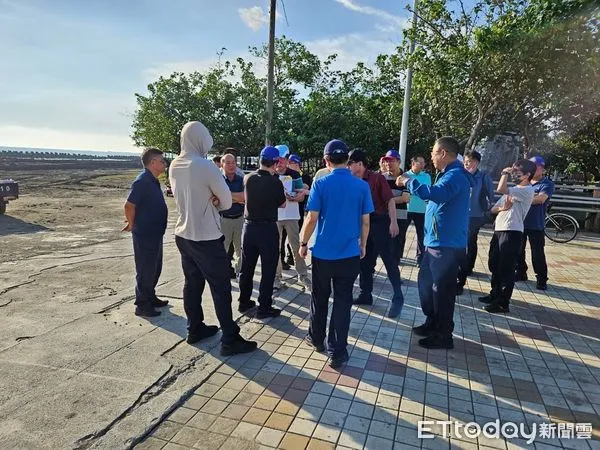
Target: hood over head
[195, 139]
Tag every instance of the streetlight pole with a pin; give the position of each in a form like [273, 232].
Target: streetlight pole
[271, 72]
[407, 92]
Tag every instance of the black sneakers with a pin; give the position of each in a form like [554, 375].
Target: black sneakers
[203, 333]
[541, 286]
[460, 289]
[395, 310]
[422, 330]
[338, 361]
[266, 313]
[436, 342]
[486, 299]
[496, 308]
[246, 306]
[240, 345]
[363, 300]
[147, 312]
[158, 303]
[318, 347]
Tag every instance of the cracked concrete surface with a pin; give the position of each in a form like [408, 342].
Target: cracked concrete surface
[78, 369]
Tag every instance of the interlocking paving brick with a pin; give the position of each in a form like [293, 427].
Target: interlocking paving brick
[256, 416]
[304, 427]
[294, 442]
[279, 421]
[325, 432]
[535, 364]
[223, 425]
[182, 415]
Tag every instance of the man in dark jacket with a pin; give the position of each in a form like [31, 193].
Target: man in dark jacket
[146, 217]
[446, 226]
[535, 222]
[482, 199]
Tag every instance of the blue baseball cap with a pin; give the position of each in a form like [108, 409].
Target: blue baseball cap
[269, 153]
[295, 159]
[538, 160]
[336, 147]
[392, 154]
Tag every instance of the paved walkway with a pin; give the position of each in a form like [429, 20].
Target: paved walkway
[538, 366]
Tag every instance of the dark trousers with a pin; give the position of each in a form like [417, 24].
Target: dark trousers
[437, 288]
[379, 243]
[419, 220]
[341, 273]
[259, 240]
[502, 261]
[467, 262]
[148, 256]
[537, 242]
[282, 246]
[206, 261]
[399, 242]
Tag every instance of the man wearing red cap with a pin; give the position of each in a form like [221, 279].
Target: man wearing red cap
[534, 226]
[392, 162]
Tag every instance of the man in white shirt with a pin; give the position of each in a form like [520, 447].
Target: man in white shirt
[288, 219]
[200, 192]
[506, 243]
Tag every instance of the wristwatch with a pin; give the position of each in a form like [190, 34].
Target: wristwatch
[303, 244]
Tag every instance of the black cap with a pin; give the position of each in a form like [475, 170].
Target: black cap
[358, 155]
[335, 147]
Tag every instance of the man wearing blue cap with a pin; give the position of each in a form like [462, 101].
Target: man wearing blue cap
[534, 224]
[339, 206]
[264, 195]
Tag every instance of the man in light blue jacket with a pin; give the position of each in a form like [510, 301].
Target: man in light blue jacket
[446, 225]
[416, 206]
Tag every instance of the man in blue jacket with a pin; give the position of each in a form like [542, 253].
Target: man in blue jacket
[482, 199]
[446, 226]
[535, 222]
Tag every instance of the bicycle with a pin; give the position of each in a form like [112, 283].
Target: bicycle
[560, 227]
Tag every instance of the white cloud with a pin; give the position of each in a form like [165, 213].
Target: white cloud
[254, 17]
[351, 49]
[369, 10]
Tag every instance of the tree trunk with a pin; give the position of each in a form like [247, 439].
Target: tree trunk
[482, 114]
[475, 132]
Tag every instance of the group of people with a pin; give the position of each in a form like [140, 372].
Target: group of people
[354, 215]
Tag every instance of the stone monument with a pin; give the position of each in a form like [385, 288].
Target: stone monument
[499, 152]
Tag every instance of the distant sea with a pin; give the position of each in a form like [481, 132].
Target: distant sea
[98, 153]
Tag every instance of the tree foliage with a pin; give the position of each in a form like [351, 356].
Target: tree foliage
[525, 66]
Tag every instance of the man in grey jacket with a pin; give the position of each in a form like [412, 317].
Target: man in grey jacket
[200, 192]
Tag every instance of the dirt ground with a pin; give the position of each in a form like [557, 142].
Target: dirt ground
[62, 209]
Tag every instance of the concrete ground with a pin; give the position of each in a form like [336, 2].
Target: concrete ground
[537, 367]
[79, 370]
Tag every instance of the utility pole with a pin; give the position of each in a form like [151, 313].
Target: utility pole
[407, 91]
[271, 72]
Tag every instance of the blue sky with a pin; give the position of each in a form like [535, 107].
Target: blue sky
[69, 68]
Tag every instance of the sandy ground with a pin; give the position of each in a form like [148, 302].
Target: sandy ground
[77, 368]
[70, 207]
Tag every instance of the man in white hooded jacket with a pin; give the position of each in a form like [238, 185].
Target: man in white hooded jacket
[200, 192]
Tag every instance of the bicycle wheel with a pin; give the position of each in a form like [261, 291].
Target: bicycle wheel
[560, 227]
